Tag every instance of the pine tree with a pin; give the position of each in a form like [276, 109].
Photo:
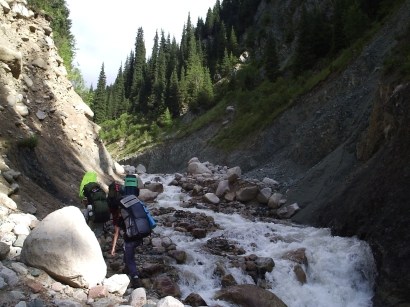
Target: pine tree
[100, 96]
[233, 42]
[209, 23]
[118, 100]
[206, 94]
[110, 103]
[314, 40]
[154, 55]
[190, 41]
[165, 119]
[89, 97]
[160, 78]
[356, 22]
[226, 65]
[128, 74]
[174, 95]
[271, 62]
[195, 85]
[173, 58]
[139, 68]
[145, 92]
[183, 90]
[221, 41]
[183, 50]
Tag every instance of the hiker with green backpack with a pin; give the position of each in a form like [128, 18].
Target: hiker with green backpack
[97, 212]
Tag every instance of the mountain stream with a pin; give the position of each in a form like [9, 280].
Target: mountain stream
[340, 271]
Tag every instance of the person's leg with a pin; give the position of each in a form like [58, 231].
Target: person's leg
[129, 258]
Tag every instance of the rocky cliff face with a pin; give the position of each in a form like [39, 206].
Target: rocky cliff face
[341, 153]
[373, 203]
[47, 137]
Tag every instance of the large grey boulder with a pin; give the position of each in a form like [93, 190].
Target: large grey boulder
[66, 248]
[196, 168]
[234, 174]
[249, 295]
[247, 193]
[223, 187]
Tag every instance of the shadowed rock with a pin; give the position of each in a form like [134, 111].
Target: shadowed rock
[249, 295]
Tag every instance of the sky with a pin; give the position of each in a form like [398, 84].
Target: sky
[105, 31]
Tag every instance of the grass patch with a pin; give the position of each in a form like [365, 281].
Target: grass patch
[29, 142]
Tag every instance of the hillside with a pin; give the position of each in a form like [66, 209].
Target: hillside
[47, 137]
[341, 152]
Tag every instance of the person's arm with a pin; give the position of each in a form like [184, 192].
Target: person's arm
[115, 238]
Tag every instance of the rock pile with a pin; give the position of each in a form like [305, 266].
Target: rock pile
[224, 190]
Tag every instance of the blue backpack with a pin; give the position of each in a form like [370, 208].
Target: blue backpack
[138, 222]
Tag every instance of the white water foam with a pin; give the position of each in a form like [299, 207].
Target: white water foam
[340, 271]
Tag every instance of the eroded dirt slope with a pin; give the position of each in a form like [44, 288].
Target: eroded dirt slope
[37, 102]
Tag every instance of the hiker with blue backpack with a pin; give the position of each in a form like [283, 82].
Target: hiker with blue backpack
[134, 224]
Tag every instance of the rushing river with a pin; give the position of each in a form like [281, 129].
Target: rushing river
[340, 271]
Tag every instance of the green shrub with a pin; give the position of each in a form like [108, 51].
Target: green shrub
[28, 142]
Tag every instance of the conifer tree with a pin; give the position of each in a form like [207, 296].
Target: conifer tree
[100, 96]
[271, 62]
[183, 50]
[118, 100]
[196, 80]
[174, 95]
[165, 118]
[209, 23]
[89, 97]
[190, 36]
[172, 59]
[314, 40]
[183, 92]
[128, 74]
[154, 56]
[200, 28]
[233, 42]
[206, 94]
[226, 66]
[145, 91]
[160, 78]
[150, 77]
[221, 42]
[139, 68]
[356, 22]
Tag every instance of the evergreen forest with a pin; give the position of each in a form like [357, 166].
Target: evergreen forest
[234, 56]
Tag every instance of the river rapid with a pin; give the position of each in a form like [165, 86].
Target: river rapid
[340, 272]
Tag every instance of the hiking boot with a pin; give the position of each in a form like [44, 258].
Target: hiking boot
[136, 282]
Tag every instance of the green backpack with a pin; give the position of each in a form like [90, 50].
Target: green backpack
[98, 200]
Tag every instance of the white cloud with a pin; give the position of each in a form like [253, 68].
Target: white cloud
[105, 31]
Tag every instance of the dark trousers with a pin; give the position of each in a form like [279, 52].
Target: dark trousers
[129, 257]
